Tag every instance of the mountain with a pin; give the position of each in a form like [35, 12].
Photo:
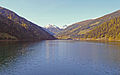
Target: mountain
[82, 29]
[52, 29]
[64, 26]
[109, 30]
[14, 27]
[74, 29]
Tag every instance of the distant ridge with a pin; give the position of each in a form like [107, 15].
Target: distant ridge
[52, 29]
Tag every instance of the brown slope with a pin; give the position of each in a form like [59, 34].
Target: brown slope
[78, 29]
[109, 30]
[20, 28]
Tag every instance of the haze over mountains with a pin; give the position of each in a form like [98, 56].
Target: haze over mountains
[14, 27]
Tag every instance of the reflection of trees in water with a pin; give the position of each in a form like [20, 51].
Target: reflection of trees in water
[9, 51]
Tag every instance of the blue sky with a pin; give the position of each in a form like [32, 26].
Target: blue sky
[60, 12]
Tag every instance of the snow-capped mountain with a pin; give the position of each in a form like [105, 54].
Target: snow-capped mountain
[51, 26]
[63, 27]
[53, 29]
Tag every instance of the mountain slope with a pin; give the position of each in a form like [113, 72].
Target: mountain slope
[73, 29]
[81, 28]
[19, 28]
[53, 29]
[63, 27]
[108, 30]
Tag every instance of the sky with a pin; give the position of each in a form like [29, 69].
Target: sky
[60, 12]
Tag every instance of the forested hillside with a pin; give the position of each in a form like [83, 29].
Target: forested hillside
[85, 29]
[108, 30]
[14, 27]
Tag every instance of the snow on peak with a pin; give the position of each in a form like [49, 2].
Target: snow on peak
[63, 27]
[54, 26]
[51, 26]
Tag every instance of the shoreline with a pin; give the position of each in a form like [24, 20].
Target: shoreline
[98, 40]
[8, 40]
[63, 39]
[91, 39]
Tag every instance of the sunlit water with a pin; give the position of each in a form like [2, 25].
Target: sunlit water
[60, 57]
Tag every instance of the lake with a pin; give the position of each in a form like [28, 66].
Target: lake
[60, 57]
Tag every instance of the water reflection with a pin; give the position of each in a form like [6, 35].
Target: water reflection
[60, 57]
[9, 51]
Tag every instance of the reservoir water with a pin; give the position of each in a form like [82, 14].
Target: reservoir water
[60, 57]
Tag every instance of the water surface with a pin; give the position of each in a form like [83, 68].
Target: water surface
[60, 57]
